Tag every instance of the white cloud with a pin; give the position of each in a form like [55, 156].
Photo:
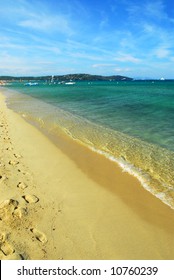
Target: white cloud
[127, 58]
[50, 49]
[147, 10]
[122, 70]
[47, 23]
[103, 65]
[149, 28]
[112, 68]
[155, 9]
[37, 17]
[84, 55]
[162, 52]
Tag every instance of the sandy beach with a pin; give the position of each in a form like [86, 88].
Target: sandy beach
[64, 201]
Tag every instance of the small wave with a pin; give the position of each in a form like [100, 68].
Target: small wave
[143, 177]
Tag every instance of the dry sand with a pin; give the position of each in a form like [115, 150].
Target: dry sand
[67, 202]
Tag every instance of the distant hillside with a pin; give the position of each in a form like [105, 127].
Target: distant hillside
[68, 77]
[88, 77]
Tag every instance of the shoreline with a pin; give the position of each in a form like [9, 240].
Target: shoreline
[87, 208]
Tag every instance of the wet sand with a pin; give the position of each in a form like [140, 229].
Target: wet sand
[64, 201]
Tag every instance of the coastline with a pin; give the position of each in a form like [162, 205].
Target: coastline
[87, 208]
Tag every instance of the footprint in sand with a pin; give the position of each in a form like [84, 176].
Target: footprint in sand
[30, 198]
[1, 161]
[17, 156]
[9, 149]
[9, 209]
[13, 162]
[7, 249]
[2, 237]
[2, 178]
[7, 252]
[6, 138]
[9, 203]
[22, 185]
[39, 235]
[14, 257]
[24, 172]
[19, 212]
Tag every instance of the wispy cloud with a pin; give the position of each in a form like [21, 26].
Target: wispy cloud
[115, 69]
[122, 70]
[103, 65]
[127, 58]
[162, 52]
[35, 17]
[155, 9]
[47, 23]
[147, 10]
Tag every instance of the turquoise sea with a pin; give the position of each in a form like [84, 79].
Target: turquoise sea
[131, 123]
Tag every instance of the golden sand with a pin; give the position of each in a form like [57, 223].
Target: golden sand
[66, 202]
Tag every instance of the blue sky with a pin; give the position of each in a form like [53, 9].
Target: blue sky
[109, 37]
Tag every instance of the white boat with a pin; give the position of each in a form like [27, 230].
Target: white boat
[70, 83]
[31, 84]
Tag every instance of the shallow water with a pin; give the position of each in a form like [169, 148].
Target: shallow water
[128, 122]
